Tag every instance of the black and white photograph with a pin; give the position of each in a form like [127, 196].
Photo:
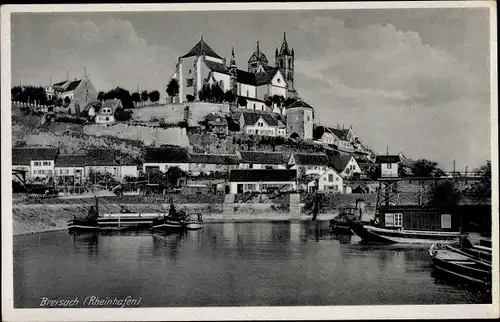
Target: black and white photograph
[249, 161]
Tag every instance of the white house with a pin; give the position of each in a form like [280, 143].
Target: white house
[308, 163]
[38, 161]
[346, 165]
[343, 139]
[388, 165]
[260, 124]
[207, 163]
[262, 180]
[106, 114]
[73, 165]
[160, 159]
[261, 160]
[109, 161]
[329, 181]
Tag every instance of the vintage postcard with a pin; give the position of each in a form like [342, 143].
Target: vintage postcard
[249, 161]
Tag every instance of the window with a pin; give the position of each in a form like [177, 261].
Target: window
[46, 163]
[107, 118]
[308, 118]
[189, 82]
[389, 165]
[393, 220]
[254, 106]
[247, 93]
[446, 221]
[250, 187]
[278, 80]
[250, 166]
[190, 72]
[330, 178]
[337, 179]
[67, 171]
[37, 164]
[335, 188]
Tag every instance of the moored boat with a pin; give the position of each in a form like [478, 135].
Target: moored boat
[459, 266]
[409, 225]
[173, 221]
[194, 224]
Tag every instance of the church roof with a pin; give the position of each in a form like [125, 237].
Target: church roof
[258, 55]
[245, 77]
[217, 67]
[73, 85]
[201, 48]
[299, 103]
[263, 78]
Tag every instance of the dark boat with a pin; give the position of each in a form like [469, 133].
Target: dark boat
[89, 223]
[340, 223]
[459, 266]
[175, 221]
[193, 223]
[409, 225]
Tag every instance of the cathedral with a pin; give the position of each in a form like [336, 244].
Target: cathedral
[202, 65]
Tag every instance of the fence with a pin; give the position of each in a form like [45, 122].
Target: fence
[34, 106]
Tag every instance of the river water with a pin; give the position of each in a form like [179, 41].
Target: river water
[229, 264]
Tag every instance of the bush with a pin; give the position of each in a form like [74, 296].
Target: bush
[190, 98]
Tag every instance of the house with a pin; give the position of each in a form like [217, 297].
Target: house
[204, 186]
[71, 165]
[109, 161]
[160, 159]
[346, 165]
[79, 91]
[259, 124]
[207, 163]
[215, 123]
[388, 165]
[106, 115]
[328, 180]
[262, 180]
[418, 218]
[308, 163]
[342, 139]
[261, 160]
[39, 162]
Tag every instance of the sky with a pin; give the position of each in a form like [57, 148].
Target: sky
[414, 81]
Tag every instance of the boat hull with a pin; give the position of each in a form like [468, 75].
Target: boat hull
[459, 267]
[373, 234]
[194, 226]
[82, 225]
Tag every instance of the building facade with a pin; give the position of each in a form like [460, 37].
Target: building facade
[300, 120]
[264, 180]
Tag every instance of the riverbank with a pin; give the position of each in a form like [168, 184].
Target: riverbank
[36, 218]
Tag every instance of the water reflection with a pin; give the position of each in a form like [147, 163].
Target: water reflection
[278, 263]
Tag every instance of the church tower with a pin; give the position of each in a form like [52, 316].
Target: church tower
[285, 61]
[258, 58]
[233, 71]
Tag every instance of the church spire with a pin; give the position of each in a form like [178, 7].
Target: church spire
[258, 50]
[232, 63]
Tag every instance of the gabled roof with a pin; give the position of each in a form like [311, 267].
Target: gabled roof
[73, 85]
[201, 48]
[339, 162]
[217, 67]
[310, 158]
[299, 103]
[262, 157]
[166, 155]
[60, 84]
[388, 159]
[262, 175]
[101, 157]
[23, 156]
[245, 77]
[252, 118]
[214, 158]
[71, 160]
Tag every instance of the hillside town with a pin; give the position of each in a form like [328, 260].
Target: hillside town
[277, 141]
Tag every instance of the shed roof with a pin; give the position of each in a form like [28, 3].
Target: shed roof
[262, 175]
[388, 159]
[339, 162]
[23, 156]
[217, 67]
[262, 157]
[71, 160]
[214, 158]
[310, 158]
[166, 155]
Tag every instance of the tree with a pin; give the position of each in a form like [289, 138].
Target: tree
[443, 194]
[123, 115]
[59, 102]
[154, 96]
[15, 91]
[144, 96]
[100, 96]
[229, 97]
[173, 175]
[205, 94]
[217, 93]
[190, 98]
[482, 188]
[426, 168]
[136, 97]
[121, 94]
[173, 88]
[29, 94]
[242, 101]
[289, 101]
[269, 102]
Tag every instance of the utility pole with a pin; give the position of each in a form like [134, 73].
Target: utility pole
[453, 167]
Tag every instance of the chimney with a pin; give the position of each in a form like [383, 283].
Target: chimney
[224, 61]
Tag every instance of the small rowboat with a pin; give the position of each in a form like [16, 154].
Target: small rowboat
[194, 224]
[459, 266]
